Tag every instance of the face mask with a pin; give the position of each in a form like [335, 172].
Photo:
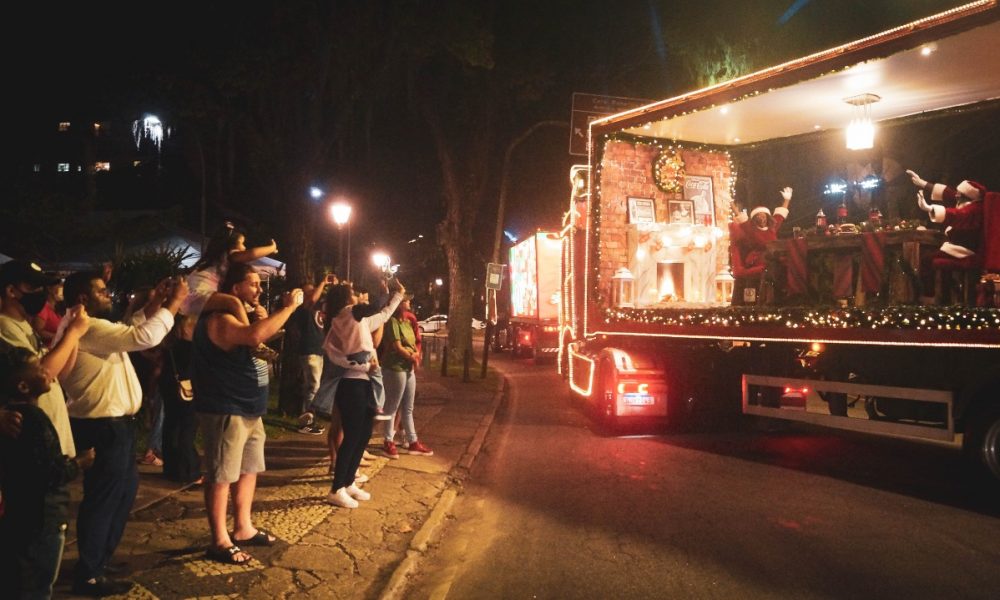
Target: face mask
[34, 302]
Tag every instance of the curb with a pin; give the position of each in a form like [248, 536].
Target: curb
[426, 534]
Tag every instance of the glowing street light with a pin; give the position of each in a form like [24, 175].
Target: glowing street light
[315, 193]
[341, 214]
[381, 260]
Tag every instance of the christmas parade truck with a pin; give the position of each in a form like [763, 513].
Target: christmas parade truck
[815, 242]
[534, 289]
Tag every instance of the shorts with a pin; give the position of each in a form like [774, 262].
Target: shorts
[234, 446]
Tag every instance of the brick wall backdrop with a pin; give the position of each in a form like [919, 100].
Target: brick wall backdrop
[627, 170]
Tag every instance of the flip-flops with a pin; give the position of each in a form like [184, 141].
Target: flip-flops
[261, 538]
[228, 555]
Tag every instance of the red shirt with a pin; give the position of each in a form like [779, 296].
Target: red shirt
[50, 319]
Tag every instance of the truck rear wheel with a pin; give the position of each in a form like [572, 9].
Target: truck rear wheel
[983, 441]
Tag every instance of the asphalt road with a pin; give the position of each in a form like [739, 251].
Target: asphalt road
[554, 510]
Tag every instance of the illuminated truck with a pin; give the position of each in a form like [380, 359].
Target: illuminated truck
[664, 308]
[534, 286]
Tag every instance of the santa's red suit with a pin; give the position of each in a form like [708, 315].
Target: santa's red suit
[971, 216]
[749, 242]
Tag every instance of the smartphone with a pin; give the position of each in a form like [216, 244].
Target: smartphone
[331, 279]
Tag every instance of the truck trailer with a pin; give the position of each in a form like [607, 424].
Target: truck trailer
[534, 288]
[761, 242]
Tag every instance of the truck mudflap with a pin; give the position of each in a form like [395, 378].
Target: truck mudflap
[619, 384]
[886, 410]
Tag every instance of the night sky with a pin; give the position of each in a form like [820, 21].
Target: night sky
[99, 60]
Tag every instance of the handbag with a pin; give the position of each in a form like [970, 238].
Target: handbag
[185, 389]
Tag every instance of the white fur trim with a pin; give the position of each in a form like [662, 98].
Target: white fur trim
[937, 213]
[758, 210]
[967, 190]
[937, 192]
[956, 250]
[781, 210]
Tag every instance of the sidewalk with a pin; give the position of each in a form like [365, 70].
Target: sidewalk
[323, 551]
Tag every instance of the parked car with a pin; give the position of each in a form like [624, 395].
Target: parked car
[435, 323]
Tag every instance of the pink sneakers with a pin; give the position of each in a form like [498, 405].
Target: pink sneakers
[419, 449]
[389, 449]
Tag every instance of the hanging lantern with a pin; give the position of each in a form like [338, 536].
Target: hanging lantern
[861, 130]
[724, 283]
[624, 288]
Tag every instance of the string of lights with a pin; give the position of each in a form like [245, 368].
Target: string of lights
[933, 318]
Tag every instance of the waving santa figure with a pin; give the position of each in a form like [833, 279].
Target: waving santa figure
[750, 235]
[971, 216]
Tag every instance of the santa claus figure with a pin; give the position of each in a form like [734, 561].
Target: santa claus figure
[971, 216]
[749, 235]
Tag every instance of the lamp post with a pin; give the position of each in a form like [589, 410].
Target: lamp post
[341, 213]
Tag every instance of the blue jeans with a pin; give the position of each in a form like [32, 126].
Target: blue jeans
[155, 442]
[400, 388]
[38, 566]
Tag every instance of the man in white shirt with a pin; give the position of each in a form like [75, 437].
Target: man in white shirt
[22, 286]
[103, 397]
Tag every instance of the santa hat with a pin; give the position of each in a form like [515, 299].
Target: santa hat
[758, 210]
[971, 190]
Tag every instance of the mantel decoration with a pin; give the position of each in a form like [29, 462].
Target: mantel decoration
[668, 171]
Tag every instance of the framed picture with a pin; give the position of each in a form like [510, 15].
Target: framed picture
[698, 190]
[681, 211]
[641, 210]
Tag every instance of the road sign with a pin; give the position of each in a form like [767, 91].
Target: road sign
[494, 276]
[586, 108]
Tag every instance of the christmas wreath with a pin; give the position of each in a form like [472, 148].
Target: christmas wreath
[668, 171]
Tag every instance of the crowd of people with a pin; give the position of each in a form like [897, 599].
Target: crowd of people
[192, 353]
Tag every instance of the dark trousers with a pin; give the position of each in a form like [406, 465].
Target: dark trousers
[180, 424]
[356, 416]
[109, 489]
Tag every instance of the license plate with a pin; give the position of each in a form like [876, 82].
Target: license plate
[638, 399]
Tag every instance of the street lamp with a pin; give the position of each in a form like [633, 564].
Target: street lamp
[341, 213]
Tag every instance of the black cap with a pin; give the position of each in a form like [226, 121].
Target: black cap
[22, 271]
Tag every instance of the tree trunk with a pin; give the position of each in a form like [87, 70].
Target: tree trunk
[295, 245]
[459, 305]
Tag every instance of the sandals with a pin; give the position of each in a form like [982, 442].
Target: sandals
[228, 555]
[261, 538]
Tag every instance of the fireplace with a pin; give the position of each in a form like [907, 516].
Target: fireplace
[670, 280]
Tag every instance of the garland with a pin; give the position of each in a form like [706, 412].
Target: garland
[895, 317]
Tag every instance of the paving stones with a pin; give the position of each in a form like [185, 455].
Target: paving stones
[322, 551]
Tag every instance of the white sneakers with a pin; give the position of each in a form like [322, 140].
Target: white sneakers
[360, 478]
[347, 497]
[341, 498]
[357, 493]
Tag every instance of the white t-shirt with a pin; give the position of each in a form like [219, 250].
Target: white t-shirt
[53, 404]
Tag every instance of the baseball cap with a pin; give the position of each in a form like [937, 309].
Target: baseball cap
[22, 271]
